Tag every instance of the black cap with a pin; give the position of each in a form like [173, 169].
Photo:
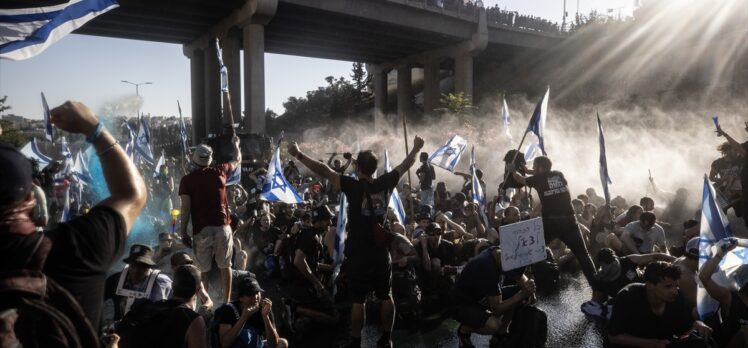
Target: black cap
[248, 286]
[15, 175]
[140, 253]
[433, 229]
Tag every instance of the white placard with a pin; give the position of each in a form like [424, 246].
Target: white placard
[522, 244]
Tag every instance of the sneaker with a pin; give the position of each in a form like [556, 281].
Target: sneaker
[464, 339]
[593, 308]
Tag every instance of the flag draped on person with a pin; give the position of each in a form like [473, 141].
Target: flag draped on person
[143, 141]
[27, 32]
[448, 155]
[478, 197]
[506, 120]
[604, 177]
[394, 202]
[537, 121]
[276, 188]
[715, 227]
[31, 151]
[182, 131]
[49, 131]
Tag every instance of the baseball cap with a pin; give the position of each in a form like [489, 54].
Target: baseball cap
[15, 175]
[203, 155]
[692, 247]
[248, 286]
[140, 253]
[433, 229]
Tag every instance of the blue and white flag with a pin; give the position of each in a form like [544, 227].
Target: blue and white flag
[715, 119]
[26, 32]
[506, 120]
[236, 176]
[715, 227]
[182, 131]
[80, 170]
[395, 202]
[143, 141]
[276, 187]
[531, 151]
[340, 232]
[49, 131]
[604, 176]
[448, 155]
[67, 164]
[157, 168]
[537, 121]
[222, 69]
[130, 146]
[31, 151]
[65, 217]
[478, 196]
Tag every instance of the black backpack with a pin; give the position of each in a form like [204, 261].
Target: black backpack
[48, 315]
[136, 329]
[529, 328]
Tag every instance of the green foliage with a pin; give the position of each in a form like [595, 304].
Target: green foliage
[10, 135]
[3, 105]
[456, 103]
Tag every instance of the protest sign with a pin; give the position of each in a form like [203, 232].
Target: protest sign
[522, 244]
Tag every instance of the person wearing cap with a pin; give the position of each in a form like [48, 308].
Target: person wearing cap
[205, 203]
[613, 274]
[139, 280]
[82, 250]
[654, 314]
[733, 304]
[162, 253]
[249, 320]
[689, 266]
[181, 258]
[434, 254]
[367, 262]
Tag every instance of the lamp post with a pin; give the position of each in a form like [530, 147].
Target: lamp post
[137, 85]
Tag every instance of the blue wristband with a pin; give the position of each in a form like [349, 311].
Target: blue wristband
[96, 133]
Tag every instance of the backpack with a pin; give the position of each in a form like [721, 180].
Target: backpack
[529, 328]
[134, 328]
[48, 315]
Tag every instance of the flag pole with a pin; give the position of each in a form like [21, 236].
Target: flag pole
[516, 153]
[407, 151]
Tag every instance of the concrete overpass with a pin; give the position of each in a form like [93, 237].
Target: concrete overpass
[386, 34]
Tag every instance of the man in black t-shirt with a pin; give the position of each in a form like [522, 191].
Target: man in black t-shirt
[426, 177]
[559, 220]
[653, 313]
[367, 262]
[78, 253]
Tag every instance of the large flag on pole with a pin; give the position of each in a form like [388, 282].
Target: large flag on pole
[182, 131]
[395, 202]
[31, 151]
[715, 227]
[222, 69]
[26, 32]
[49, 131]
[143, 141]
[130, 146]
[537, 121]
[448, 155]
[531, 151]
[506, 120]
[604, 177]
[478, 196]
[276, 187]
[161, 161]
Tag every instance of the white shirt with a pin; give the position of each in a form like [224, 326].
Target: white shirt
[654, 236]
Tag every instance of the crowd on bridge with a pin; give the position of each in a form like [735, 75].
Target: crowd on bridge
[237, 268]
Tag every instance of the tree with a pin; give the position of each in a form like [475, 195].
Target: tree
[359, 77]
[456, 103]
[3, 106]
[12, 136]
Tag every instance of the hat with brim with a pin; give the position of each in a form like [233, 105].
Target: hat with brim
[141, 254]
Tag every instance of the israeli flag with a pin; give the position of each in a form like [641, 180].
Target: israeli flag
[143, 141]
[80, 170]
[27, 32]
[130, 147]
[182, 130]
[478, 195]
[65, 217]
[277, 188]
[537, 121]
[236, 176]
[222, 69]
[31, 151]
[395, 202]
[505, 118]
[604, 177]
[49, 131]
[448, 155]
[161, 161]
[67, 157]
[340, 232]
[715, 227]
[531, 151]
[715, 119]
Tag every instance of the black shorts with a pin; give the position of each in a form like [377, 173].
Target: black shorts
[369, 274]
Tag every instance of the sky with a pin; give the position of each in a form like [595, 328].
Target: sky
[90, 69]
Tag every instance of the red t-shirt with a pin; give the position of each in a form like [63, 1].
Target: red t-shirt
[207, 190]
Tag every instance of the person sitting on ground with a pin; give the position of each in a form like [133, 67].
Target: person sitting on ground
[163, 252]
[641, 237]
[481, 304]
[181, 258]
[733, 305]
[426, 177]
[633, 213]
[434, 253]
[451, 227]
[651, 314]
[689, 266]
[613, 275]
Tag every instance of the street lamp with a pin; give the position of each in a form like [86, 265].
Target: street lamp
[137, 85]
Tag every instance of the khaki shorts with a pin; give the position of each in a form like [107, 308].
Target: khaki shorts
[213, 240]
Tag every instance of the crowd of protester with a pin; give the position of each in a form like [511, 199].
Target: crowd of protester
[276, 281]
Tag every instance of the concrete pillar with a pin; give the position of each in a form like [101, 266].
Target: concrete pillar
[464, 74]
[197, 79]
[431, 84]
[404, 92]
[254, 78]
[380, 91]
[212, 90]
[231, 59]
